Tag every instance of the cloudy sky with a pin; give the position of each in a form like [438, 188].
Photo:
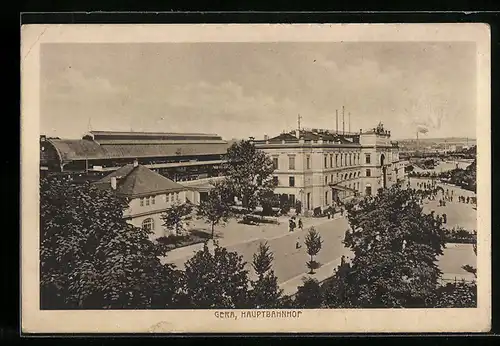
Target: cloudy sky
[239, 90]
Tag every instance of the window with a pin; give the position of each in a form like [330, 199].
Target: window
[350, 159]
[331, 160]
[152, 199]
[148, 224]
[326, 180]
[368, 173]
[147, 201]
[308, 162]
[141, 202]
[326, 197]
[275, 181]
[368, 158]
[326, 164]
[291, 162]
[275, 162]
[177, 197]
[291, 199]
[291, 181]
[331, 178]
[336, 160]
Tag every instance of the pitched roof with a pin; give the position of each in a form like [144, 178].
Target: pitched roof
[139, 181]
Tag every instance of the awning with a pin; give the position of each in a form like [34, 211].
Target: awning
[342, 188]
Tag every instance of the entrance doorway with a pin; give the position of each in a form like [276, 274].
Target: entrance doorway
[368, 190]
[308, 201]
[203, 196]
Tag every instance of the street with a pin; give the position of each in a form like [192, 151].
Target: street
[290, 262]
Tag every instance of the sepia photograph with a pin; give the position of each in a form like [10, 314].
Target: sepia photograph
[255, 178]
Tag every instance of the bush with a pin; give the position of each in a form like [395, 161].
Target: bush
[173, 239]
[313, 265]
[253, 219]
[460, 236]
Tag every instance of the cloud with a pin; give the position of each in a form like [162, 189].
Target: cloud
[72, 81]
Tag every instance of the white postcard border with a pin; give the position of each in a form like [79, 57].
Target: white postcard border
[35, 320]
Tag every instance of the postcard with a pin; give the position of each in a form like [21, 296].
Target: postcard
[296, 178]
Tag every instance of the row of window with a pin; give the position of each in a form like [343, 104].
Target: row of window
[150, 200]
[341, 160]
[346, 176]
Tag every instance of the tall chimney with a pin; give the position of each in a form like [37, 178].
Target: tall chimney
[343, 121]
[297, 134]
[113, 183]
[337, 120]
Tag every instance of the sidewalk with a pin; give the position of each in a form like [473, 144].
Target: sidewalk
[289, 287]
[234, 234]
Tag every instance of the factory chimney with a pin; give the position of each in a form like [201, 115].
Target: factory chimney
[337, 121]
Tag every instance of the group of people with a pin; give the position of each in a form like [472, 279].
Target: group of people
[292, 224]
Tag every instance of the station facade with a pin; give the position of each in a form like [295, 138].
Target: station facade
[322, 167]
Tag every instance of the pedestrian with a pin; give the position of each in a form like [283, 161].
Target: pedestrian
[328, 214]
[445, 218]
[297, 244]
[467, 199]
[301, 226]
[292, 225]
[342, 260]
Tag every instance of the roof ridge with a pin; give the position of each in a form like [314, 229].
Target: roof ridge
[124, 177]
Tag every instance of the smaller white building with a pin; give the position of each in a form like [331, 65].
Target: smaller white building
[148, 193]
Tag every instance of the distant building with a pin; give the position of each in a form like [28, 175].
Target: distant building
[319, 167]
[149, 194]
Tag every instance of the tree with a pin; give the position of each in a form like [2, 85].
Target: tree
[216, 209]
[460, 294]
[309, 295]
[91, 258]
[176, 218]
[335, 288]
[396, 247]
[313, 243]
[265, 293]
[249, 172]
[215, 280]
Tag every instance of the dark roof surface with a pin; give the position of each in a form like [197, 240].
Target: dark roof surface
[152, 135]
[82, 149]
[138, 181]
[313, 136]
